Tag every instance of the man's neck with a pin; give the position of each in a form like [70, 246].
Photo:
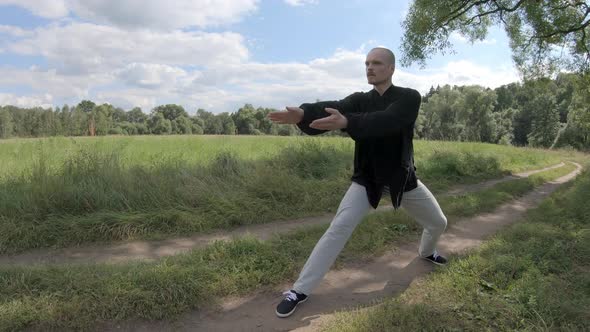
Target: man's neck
[382, 87]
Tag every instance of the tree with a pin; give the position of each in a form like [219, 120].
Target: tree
[103, 118]
[197, 125]
[136, 116]
[170, 111]
[527, 107]
[504, 133]
[229, 127]
[245, 120]
[183, 125]
[441, 118]
[578, 122]
[535, 30]
[209, 124]
[545, 121]
[159, 125]
[475, 113]
[506, 96]
[6, 124]
[87, 107]
[119, 115]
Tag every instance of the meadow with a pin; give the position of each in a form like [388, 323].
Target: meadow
[60, 192]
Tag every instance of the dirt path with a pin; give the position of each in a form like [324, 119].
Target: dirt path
[122, 252]
[361, 284]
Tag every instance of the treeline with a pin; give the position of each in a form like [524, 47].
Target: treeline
[543, 113]
[89, 119]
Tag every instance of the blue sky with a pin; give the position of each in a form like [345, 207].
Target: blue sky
[216, 55]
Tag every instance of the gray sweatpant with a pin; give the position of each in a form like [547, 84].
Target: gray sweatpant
[419, 203]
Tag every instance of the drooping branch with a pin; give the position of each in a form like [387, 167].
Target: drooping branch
[499, 9]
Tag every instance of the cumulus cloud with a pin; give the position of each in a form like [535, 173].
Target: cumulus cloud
[144, 14]
[129, 98]
[44, 101]
[171, 14]
[13, 31]
[459, 73]
[51, 82]
[152, 76]
[80, 48]
[47, 9]
[225, 88]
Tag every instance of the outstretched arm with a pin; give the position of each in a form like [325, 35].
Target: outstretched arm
[317, 118]
[292, 115]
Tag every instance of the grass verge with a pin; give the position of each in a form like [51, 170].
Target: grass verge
[78, 297]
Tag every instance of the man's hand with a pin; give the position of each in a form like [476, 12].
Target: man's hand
[332, 122]
[293, 115]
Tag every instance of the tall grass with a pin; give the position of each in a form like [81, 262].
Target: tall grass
[60, 192]
[79, 296]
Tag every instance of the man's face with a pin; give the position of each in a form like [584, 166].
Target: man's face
[378, 66]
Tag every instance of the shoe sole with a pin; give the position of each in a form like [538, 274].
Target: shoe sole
[292, 311]
[433, 262]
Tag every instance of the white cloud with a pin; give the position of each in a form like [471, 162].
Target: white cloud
[49, 81]
[301, 2]
[152, 76]
[43, 8]
[458, 73]
[44, 101]
[88, 48]
[169, 14]
[225, 88]
[13, 31]
[144, 14]
[128, 99]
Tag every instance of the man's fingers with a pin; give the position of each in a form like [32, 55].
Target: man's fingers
[323, 124]
[332, 110]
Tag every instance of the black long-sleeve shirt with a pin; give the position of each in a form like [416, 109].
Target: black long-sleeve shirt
[382, 128]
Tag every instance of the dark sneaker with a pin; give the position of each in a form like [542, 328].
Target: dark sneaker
[436, 259]
[288, 305]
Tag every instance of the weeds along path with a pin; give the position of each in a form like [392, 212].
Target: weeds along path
[356, 284]
[152, 250]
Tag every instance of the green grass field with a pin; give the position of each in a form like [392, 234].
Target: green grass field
[63, 191]
[80, 296]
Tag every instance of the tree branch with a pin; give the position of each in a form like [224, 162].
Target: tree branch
[499, 8]
[567, 31]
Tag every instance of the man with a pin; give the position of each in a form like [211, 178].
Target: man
[381, 122]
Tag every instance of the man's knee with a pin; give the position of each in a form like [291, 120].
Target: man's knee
[438, 224]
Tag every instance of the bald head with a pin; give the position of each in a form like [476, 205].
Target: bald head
[387, 52]
[380, 66]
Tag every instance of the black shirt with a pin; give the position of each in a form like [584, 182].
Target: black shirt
[382, 128]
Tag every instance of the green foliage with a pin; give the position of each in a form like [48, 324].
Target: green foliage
[535, 28]
[545, 121]
[6, 124]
